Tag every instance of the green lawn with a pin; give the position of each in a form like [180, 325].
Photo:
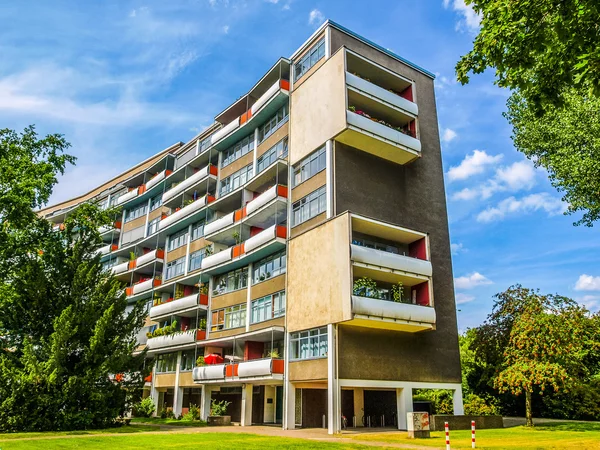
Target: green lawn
[214, 441]
[170, 422]
[548, 436]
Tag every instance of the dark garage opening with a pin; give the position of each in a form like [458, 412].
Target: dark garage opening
[314, 405]
[381, 403]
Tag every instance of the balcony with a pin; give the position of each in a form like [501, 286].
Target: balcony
[185, 211]
[247, 371]
[142, 286]
[381, 94]
[120, 268]
[213, 373]
[150, 257]
[374, 313]
[157, 179]
[130, 195]
[103, 251]
[178, 306]
[386, 261]
[107, 229]
[261, 368]
[190, 182]
[177, 339]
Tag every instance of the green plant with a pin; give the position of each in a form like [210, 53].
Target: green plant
[188, 202]
[237, 237]
[131, 256]
[200, 361]
[208, 250]
[144, 408]
[203, 288]
[273, 354]
[219, 408]
[398, 292]
[352, 108]
[476, 406]
[202, 324]
[365, 287]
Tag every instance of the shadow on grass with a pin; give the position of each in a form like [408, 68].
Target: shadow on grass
[569, 426]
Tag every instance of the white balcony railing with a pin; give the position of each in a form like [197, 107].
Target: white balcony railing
[183, 212]
[105, 250]
[172, 340]
[188, 182]
[206, 373]
[219, 224]
[390, 260]
[384, 309]
[120, 268]
[143, 286]
[174, 306]
[382, 131]
[148, 257]
[382, 94]
[128, 196]
[217, 258]
[156, 179]
[263, 99]
[268, 234]
[227, 129]
[256, 368]
[262, 200]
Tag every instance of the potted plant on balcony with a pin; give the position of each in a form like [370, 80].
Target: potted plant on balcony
[365, 287]
[398, 292]
[217, 413]
[237, 237]
[274, 354]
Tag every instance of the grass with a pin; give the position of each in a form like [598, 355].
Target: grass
[563, 435]
[214, 441]
[41, 435]
[170, 422]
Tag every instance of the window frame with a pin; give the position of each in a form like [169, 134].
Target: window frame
[278, 151]
[135, 212]
[231, 275]
[308, 336]
[177, 238]
[306, 62]
[304, 206]
[304, 170]
[264, 263]
[267, 303]
[179, 262]
[245, 174]
[243, 146]
[225, 316]
[274, 123]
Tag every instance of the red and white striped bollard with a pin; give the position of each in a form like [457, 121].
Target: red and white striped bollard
[472, 434]
[447, 435]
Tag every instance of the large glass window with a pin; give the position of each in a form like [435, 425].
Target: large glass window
[197, 230]
[310, 166]
[166, 363]
[309, 59]
[227, 318]
[274, 123]
[196, 259]
[244, 146]
[153, 226]
[188, 360]
[271, 266]
[231, 281]
[136, 212]
[175, 268]
[310, 206]
[177, 240]
[309, 344]
[279, 150]
[155, 202]
[204, 144]
[235, 180]
[268, 307]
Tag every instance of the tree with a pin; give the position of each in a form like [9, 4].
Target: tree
[566, 142]
[549, 346]
[66, 330]
[539, 48]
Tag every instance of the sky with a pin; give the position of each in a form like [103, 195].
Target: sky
[124, 79]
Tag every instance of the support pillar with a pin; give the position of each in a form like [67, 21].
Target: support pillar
[457, 401]
[177, 392]
[205, 403]
[154, 392]
[246, 419]
[359, 407]
[289, 406]
[404, 404]
[333, 390]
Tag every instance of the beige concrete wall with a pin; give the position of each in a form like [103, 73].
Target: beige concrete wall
[198, 244]
[267, 287]
[310, 185]
[236, 165]
[273, 139]
[230, 299]
[179, 252]
[227, 333]
[278, 322]
[164, 380]
[157, 213]
[310, 370]
[318, 108]
[311, 223]
[319, 278]
[186, 380]
[133, 224]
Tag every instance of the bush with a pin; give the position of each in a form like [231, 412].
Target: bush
[477, 406]
[192, 414]
[145, 408]
[219, 408]
[441, 400]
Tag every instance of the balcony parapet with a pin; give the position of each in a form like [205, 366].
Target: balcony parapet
[185, 211]
[189, 182]
[389, 260]
[421, 317]
[179, 305]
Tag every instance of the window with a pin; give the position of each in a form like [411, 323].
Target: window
[235, 180]
[197, 230]
[271, 266]
[274, 123]
[376, 245]
[188, 360]
[309, 344]
[103, 204]
[204, 144]
[227, 318]
[177, 240]
[231, 281]
[310, 206]
[279, 150]
[196, 259]
[134, 213]
[155, 202]
[268, 307]
[166, 363]
[244, 146]
[153, 226]
[175, 268]
[310, 166]
[309, 59]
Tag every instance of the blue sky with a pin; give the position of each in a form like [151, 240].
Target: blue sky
[124, 79]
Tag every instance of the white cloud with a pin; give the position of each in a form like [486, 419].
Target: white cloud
[471, 281]
[462, 298]
[469, 19]
[587, 283]
[591, 302]
[457, 248]
[472, 165]
[272, 1]
[315, 17]
[511, 205]
[226, 29]
[449, 135]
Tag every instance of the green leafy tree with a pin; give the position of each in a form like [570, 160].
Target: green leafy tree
[549, 346]
[539, 47]
[566, 142]
[67, 335]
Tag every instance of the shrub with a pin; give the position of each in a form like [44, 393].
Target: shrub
[145, 408]
[441, 400]
[477, 406]
[219, 408]
[192, 414]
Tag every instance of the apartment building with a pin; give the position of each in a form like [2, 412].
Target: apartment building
[295, 256]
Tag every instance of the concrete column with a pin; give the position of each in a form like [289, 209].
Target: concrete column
[154, 392]
[249, 297]
[457, 401]
[404, 405]
[333, 411]
[359, 407]
[329, 178]
[289, 406]
[205, 403]
[177, 393]
[246, 419]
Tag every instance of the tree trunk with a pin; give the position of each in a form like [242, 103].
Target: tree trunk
[528, 414]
